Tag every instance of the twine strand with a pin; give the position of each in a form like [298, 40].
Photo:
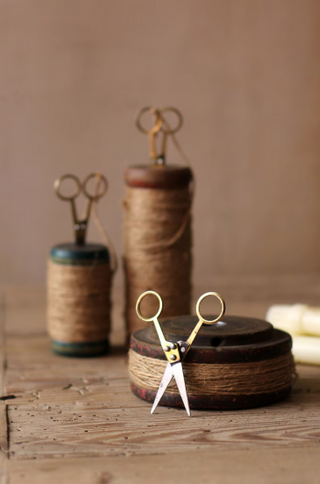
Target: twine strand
[154, 217]
[79, 302]
[101, 228]
[153, 133]
[265, 376]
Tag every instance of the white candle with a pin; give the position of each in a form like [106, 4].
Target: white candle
[296, 319]
[303, 323]
[306, 349]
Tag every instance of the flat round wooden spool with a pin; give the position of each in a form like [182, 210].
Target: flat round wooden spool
[158, 176]
[81, 255]
[234, 340]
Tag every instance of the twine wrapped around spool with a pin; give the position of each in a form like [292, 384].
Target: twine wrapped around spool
[79, 305]
[239, 363]
[152, 218]
[157, 232]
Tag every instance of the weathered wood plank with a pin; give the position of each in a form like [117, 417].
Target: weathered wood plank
[68, 413]
[111, 421]
[294, 466]
[3, 408]
[3, 471]
[4, 442]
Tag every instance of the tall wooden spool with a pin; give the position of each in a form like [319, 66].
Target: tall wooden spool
[157, 226]
[166, 269]
[234, 364]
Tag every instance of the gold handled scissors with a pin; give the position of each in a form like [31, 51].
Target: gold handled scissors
[160, 125]
[176, 352]
[80, 225]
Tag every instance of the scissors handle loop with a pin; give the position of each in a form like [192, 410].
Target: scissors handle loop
[101, 182]
[80, 225]
[158, 120]
[223, 308]
[170, 349]
[165, 125]
[139, 301]
[57, 187]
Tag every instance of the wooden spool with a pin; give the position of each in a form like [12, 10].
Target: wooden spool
[162, 178]
[167, 177]
[86, 256]
[236, 340]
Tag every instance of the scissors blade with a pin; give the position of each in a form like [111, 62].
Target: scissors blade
[177, 372]
[166, 379]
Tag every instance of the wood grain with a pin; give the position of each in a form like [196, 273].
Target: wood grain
[77, 419]
[3, 407]
[108, 420]
[221, 467]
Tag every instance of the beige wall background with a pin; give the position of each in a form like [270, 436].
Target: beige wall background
[245, 74]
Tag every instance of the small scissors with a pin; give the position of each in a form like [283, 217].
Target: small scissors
[176, 352]
[80, 226]
[160, 125]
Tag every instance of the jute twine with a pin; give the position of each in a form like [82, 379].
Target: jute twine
[265, 376]
[79, 302]
[79, 297]
[157, 250]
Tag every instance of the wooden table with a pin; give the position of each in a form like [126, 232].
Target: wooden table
[76, 420]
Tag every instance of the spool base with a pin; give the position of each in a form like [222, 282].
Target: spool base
[228, 402]
[81, 350]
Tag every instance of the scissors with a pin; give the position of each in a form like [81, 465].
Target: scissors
[80, 225]
[160, 125]
[176, 352]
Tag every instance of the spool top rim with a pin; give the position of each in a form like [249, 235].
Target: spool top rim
[241, 340]
[158, 176]
[231, 330]
[71, 253]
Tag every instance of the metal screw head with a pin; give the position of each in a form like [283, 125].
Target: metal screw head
[173, 346]
[182, 349]
[166, 348]
[173, 357]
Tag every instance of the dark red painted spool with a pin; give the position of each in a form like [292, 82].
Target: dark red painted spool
[158, 176]
[235, 340]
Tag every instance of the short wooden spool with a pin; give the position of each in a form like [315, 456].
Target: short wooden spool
[90, 256]
[236, 340]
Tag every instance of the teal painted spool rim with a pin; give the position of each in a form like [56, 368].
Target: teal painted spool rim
[81, 255]
[81, 350]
